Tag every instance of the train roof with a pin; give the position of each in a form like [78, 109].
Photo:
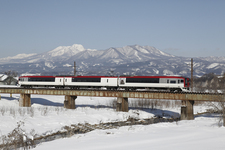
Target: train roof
[103, 76]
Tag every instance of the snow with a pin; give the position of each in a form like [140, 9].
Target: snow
[167, 72]
[3, 77]
[70, 50]
[136, 54]
[67, 65]
[19, 56]
[110, 53]
[47, 116]
[165, 54]
[78, 47]
[116, 61]
[135, 69]
[30, 74]
[213, 65]
[33, 60]
[56, 116]
[96, 64]
[156, 71]
[183, 72]
[200, 134]
[143, 50]
[49, 65]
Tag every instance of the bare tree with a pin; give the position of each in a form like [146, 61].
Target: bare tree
[222, 82]
[214, 84]
[219, 106]
[10, 75]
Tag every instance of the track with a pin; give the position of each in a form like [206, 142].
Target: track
[119, 90]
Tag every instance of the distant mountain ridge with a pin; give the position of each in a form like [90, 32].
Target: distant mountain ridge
[135, 52]
[127, 60]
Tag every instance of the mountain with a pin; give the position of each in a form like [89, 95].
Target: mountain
[127, 60]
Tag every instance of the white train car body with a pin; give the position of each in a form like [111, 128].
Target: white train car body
[155, 82]
[90, 81]
[41, 81]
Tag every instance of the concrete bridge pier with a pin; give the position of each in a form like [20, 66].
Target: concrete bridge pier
[69, 102]
[122, 104]
[25, 100]
[187, 110]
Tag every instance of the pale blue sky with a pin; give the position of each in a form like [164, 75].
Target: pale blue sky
[192, 28]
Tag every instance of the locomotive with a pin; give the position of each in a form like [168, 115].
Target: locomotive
[172, 83]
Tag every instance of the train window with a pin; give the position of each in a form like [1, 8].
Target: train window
[107, 80]
[182, 81]
[142, 80]
[41, 79]
[21, 79]
[86, 79]
[168, 81]
[178, 81]
[173, 81]
[60, 80]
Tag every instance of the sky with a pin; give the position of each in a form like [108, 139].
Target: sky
[189, 28]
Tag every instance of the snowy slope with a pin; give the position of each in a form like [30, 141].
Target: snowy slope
[15, 58]
[69, 50]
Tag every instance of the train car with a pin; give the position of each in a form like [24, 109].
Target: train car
[171, 83]
[75, 82]
[41, 81]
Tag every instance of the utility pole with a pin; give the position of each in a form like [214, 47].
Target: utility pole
[191, 74]
[74, 68]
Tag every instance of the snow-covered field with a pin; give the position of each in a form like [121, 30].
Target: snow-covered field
[200, 134]
[47, 116]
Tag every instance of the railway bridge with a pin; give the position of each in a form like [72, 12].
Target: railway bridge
[188, 98]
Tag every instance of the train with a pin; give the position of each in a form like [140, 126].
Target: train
[171, 83]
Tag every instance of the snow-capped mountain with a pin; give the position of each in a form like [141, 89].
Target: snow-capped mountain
[127, 60]
[134, 53]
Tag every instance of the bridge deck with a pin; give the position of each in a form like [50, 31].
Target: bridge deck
[120, 93]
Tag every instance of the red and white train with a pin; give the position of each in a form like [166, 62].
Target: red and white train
[171, 83]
